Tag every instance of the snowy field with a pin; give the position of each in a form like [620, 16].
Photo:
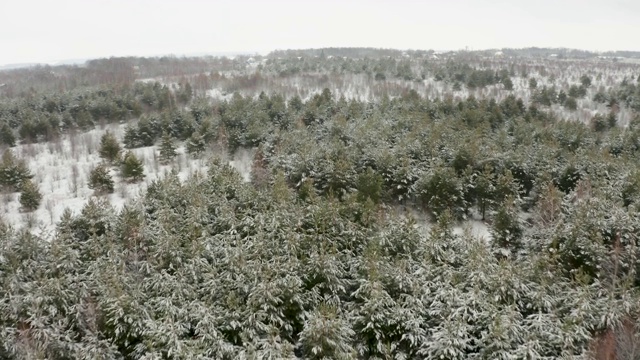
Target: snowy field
[472, 227]
[61, 171]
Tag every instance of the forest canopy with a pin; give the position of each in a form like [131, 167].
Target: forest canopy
[353, 238]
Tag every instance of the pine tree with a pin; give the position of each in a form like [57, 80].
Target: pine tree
[506, 228]
[442, 190]
[508, 84]
[13, 171]
[327, 335]
[131, 168]
[109, 147]
[184, 93]
[369, 186]
[196, 144]
[259, 171]
[571, 104]
[100, 180]
[30, 196]
[167, 149]
[6, 135]
[131, 139]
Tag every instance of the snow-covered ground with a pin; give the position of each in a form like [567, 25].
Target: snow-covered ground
[473, 227]
[61, 170]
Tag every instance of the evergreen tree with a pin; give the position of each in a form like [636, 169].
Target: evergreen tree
[599, 123]
[484, 190]
[131, 139]
[508, 84]
[506, 229]
[571, 104]
[327, 335]
[13, 171]
[442, 190]
[296, 103]
[369, 185]
[109, 148]
[167, 149]
[196, 144]
[147, 131]
[259, 171]
[30, 196]
[6, 135]
[100, 180]
[562, 97]
[131, 168]
[185, 92]
[612, 120]
[84, 120]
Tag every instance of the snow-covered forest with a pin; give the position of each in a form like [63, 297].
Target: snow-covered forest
[322, 204]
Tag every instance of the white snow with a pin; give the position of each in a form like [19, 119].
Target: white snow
[473, 227]
[61, 171]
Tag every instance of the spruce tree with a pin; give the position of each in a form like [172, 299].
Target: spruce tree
[131, 168]
[30, 196]
[100, 180]
[196, 144]
[109, 147]
[13, 171]
[506, 229]
[6, 136]
[167, 149]
[369, 186]
[131, 139]
[508, 84]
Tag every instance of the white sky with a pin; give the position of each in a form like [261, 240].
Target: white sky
[53, 30]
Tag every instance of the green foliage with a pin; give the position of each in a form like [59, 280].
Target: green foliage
[6, 136]
[143, 134]
[369, 185]
[167, 149]
[571, 104]
[600, 123]
[109, 148]
[577, 91]
[600, 97]
[329, 252]
[507, 83]
[484, 191]
[184, 93]
[100, 180]
[13, 171]
[441, 190]
[131, 168]
[30, 196]
[506, 229]
[545, 96]
[130, 138]
[327, 335]
[196, 144]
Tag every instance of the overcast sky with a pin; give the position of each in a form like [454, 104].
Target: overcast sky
[54, 30]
